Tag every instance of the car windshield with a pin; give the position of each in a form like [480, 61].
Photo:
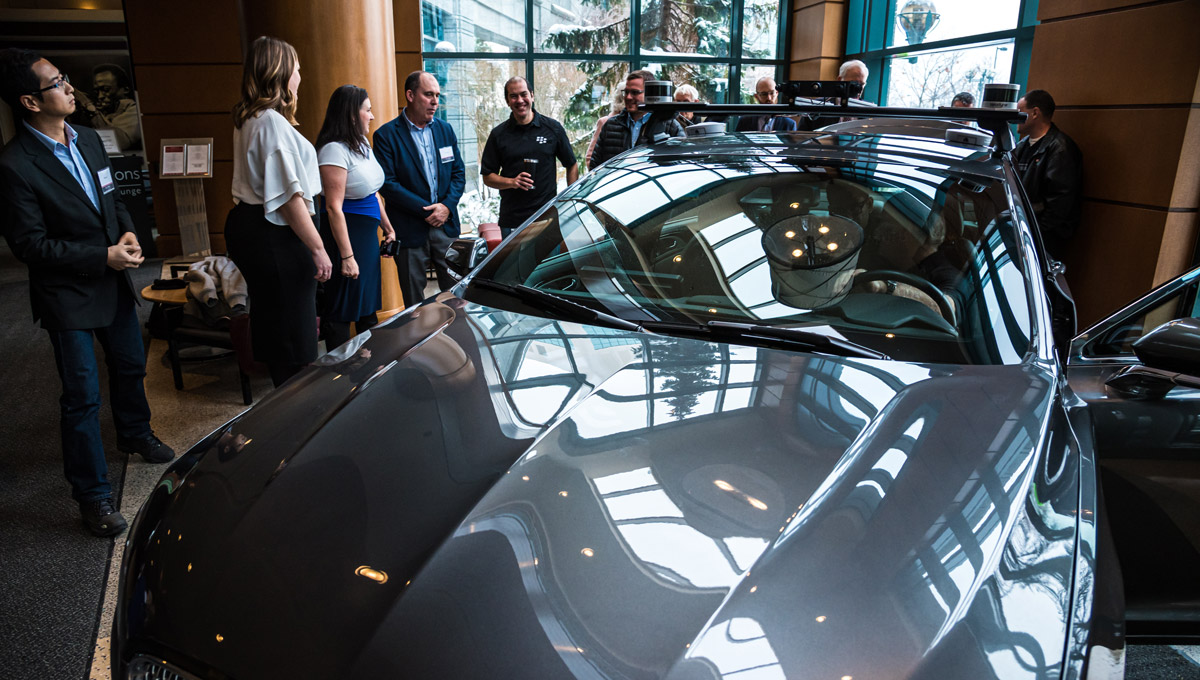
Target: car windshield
[916, 263]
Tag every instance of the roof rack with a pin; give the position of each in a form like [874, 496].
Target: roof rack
[995, 121]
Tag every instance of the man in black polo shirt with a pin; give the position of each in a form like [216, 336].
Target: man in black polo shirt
[518, 158]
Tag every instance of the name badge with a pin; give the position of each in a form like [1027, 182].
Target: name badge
[106, 183]
[447, 153]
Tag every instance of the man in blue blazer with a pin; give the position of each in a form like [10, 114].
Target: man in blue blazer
[60, 215]
[424, 177]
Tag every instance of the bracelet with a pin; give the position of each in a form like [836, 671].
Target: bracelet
[348, 256]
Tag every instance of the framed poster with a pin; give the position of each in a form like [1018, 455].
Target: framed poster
[105, 98]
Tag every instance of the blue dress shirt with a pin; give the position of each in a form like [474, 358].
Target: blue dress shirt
[71, 159]
[635, 127]
[423, 139]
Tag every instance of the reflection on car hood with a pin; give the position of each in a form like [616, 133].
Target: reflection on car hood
[477, 493]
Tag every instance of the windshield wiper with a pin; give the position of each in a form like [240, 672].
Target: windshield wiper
[571, 310]
[793, 338]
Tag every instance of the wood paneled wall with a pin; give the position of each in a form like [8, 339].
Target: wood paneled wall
[187, 58]
[1125, 76]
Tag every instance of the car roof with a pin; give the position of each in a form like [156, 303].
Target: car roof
[920, 145]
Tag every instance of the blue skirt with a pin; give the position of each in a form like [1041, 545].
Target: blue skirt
[351, 299]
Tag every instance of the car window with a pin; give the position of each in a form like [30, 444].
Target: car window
[1118, 340]
[915, 262]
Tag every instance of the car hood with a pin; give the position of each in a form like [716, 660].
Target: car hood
[471, 492]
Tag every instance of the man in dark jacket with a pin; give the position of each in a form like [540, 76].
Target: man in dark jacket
[60, 215]
[631, 127]
[1051, 168]
[423, 180]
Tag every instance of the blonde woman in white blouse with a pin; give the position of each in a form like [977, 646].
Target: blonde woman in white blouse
[353, 215]
[270, 233]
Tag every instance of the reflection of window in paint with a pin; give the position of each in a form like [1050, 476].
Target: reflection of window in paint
[739, 648]
[655, 530]
[636, 398]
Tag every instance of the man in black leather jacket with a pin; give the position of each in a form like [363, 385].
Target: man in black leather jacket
[1051, 168]
[631, 127]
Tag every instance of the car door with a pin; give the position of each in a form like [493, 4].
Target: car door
[1148, 450]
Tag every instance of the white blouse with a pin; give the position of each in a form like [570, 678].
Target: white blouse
[364, 176]
[272, 162]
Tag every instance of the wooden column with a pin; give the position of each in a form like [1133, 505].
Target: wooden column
[818, 39]
[408, 43]
[1125, 76]
[338, 43]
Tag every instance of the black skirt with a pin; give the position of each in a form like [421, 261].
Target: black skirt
[279, 274]
[351, 299]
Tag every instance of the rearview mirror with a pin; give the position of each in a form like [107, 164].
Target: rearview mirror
[464, 254]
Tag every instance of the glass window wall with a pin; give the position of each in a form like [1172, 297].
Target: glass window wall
[916, 22]
[923, 52]
[576, 54]
[930, 79]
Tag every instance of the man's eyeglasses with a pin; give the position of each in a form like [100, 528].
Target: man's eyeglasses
[58, 82]
[764, 94]
[633, 93]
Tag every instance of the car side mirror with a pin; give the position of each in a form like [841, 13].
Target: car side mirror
[465, 254]
[1170, 356]
[1173, 346]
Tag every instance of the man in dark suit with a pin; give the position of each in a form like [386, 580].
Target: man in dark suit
[424, 177]
[765, 93]
[60, 216]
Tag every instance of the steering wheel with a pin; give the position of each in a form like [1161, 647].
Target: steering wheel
[939, 298]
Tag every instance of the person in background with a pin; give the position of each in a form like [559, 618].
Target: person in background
[765, 93]
[350, 180]
[270, 231]
[113, 107]
[424, 176]
[855, 71]
[963, 100]
[686, 93]
[60, 216]
[1051, 169]
[518, 158]
[632, 127]
[618, 105]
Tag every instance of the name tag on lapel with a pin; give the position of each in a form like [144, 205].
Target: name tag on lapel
[106, 182]
[447, 153]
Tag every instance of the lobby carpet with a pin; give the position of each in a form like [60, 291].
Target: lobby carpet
[54, 571]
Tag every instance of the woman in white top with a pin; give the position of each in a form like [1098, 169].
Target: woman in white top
[270, 233]
[350, 177]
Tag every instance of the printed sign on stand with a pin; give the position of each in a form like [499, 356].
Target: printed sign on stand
[189, 163]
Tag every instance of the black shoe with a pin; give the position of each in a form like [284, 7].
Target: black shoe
[101, 517]
[150, 448]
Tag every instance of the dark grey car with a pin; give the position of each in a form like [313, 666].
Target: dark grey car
[741, 406]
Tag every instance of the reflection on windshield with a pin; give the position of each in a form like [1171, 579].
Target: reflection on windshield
[882, 252]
